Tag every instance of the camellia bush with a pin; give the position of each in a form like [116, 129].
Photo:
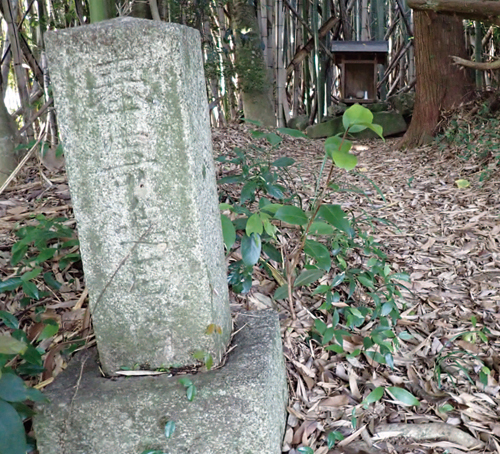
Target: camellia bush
[328, 235]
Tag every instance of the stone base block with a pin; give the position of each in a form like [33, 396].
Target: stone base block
[238, 409]
[392, 124]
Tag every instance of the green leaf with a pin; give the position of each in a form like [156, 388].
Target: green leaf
[338, 279]
[248, 191]
[228, 231]
[35, 272]
[32, 355]
[250, 249]
[320, 289]
[31, 290]
[11, 346]
[320, 326]
[366, 281]
[270, 208]
[281, 293]
[209, 362]
[357, 128]
[307, 277]
[318, 252]
[12, 431]
[18, 252]
[50, 280]
[334, 215]
[12, 388]
[273, 139]
[332, 438]
[337, 144]
[405, 335]
[328, 335]
[186, 382]
[377, 129]
[51, 328]
[169, 429]
[335, 348]
[283, 162]
[9, 319]
[356, 114]
[320, 228]
[462, 184]
[69, 258]
[35, 395]
[254, 225]
[226, 206]
[305, 450]
[291, 215]
[272, 252]
[10, 284]
[403, 396]
[270, 229]
[191, 393]
[274, 191]
[45, 254]
[345, 161]
[374, 396]
[446, 408]
[401, 277]
[291, 132]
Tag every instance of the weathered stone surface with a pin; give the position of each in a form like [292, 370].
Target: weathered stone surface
[403, 103]
[336, 110]
[325, 129]
[391, 122]
[133, 115]
[299, 122]
[377, 106]
[238, 409]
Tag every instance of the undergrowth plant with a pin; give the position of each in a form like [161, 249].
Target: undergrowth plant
[21, 358]
[319, 258]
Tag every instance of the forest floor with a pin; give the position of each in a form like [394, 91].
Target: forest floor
[447, 239]
[444, 236]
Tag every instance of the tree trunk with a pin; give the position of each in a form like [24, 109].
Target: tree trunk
[483, 10]
[8, 133]
[440, 84]
[253, 78]
[101, 10]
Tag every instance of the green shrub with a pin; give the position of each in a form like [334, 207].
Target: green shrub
[328, 236]
[20, 359]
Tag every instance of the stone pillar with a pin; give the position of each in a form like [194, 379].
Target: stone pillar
[133, 116]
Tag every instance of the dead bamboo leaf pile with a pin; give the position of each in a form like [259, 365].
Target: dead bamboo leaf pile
[445, 237]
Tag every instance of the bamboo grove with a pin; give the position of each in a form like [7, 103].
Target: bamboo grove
[296, 39]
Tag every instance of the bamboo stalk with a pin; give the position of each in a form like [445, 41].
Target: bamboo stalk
[22, 82]
[305, 50]
[281, 73]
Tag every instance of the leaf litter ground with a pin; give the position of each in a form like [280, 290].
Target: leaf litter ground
[445, 237]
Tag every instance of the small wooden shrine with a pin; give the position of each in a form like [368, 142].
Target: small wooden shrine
[358, 62]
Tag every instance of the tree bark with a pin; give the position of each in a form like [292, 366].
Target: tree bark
[253, 78]
[482, 10]
[440, 85]
[8, 133]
